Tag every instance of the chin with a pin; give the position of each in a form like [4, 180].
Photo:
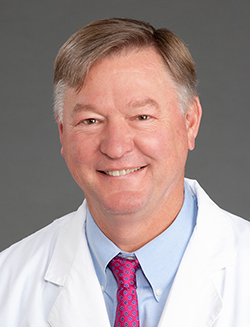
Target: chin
[123, 205]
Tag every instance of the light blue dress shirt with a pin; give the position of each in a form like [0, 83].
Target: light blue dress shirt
[159, 261]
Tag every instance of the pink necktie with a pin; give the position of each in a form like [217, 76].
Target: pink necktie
[127, 314]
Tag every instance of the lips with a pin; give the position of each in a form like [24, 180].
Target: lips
[122, 172]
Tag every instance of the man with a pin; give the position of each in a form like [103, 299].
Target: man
[146, 248]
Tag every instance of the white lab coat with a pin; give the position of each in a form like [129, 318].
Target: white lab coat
[48, 279]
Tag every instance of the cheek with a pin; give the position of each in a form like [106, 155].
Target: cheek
[76, 149]
[156, 146]
[167, 146]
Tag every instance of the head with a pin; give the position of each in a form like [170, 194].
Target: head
[110, 36]
[127, 113]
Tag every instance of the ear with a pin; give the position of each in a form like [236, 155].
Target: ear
[193, 118]
[60, 128]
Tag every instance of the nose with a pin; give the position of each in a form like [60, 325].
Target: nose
[116, 140]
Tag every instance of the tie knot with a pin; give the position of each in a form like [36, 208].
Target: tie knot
[124, 271]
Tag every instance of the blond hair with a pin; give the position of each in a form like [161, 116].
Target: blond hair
[99, 39]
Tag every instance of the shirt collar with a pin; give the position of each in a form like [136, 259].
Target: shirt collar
[159, 266]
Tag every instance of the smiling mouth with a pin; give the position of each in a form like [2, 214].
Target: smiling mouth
[120, 172]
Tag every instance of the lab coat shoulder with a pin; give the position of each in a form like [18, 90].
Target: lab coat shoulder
[234, 288]
[24, 293]
[48, 279]
[33, 246]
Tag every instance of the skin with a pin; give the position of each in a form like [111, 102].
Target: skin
[127, 116]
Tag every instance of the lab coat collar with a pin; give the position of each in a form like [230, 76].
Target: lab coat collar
[195, 298]
[66, 246]
[80, 301]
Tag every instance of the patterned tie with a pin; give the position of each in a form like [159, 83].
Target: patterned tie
[127, 314]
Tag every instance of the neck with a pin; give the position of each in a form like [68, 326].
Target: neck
[129, 232]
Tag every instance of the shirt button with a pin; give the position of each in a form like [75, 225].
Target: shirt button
[158, 292]
[102, 288]
[130, 258]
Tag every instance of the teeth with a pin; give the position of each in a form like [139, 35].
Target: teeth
[121, 172]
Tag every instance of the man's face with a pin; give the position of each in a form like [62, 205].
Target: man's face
[123, 136]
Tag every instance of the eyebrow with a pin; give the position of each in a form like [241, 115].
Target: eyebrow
[143, 103]
[79, 107]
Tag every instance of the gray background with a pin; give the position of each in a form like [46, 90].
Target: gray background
[35, 185]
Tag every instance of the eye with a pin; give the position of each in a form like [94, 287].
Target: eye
[90, 121]
[143, 117]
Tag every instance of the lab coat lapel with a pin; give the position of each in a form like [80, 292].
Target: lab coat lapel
[80, 301]
[194, 299]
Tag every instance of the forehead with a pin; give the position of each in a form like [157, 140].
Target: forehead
[129, 64]
[135, 75]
